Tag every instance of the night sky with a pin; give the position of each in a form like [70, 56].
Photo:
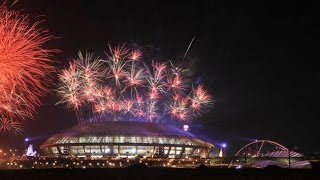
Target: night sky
[257, 59]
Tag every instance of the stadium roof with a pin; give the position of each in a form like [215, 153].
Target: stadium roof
[125, 128]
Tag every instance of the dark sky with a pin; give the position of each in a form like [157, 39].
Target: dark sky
[258, 59]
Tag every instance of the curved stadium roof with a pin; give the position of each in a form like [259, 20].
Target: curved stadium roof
[125, 128]
[116, 131]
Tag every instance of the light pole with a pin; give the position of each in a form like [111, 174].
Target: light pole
[26, 141]
[224, 146]
[289, 157]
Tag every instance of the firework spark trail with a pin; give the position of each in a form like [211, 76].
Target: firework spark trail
[90, 68]
[175, 83]
[156, 80]
[134, 78]
[200, 98]
[185, 54]
[116, 62]
[134, 75]
[135, 55]
[131, 88]
[8, 125]
[70, 86]
[179, 107]
[24, 65]
[175, 79]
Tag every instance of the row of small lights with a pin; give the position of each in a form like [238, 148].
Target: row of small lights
[5, 153]
[110, 164]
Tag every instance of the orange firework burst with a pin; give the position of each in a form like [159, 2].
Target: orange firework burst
[24, 64]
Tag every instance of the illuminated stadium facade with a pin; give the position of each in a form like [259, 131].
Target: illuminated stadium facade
[126, 139]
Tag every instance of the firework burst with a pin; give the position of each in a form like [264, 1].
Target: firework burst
[24, 66]
[123, 86]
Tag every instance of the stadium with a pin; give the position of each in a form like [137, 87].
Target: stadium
[126, 139]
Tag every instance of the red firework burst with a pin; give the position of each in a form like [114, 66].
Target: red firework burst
[24, 64]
